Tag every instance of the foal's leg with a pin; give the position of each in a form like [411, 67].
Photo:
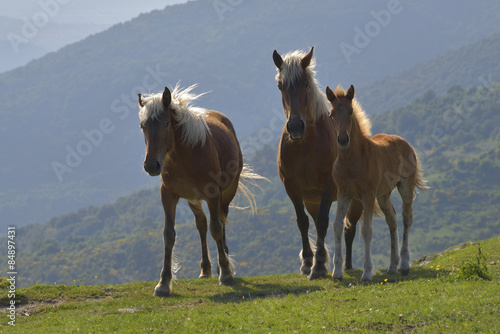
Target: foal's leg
[217, 231]
[306, 255]
[353, 215]
[387, 208]
[169, 202]
[338, 227]
[406, 192]
[366, 233]
[201, 225]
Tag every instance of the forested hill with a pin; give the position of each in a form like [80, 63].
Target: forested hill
[69, 131]
[457, 136]
[469, 66]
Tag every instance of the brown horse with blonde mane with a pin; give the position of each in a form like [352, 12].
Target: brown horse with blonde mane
[306, 155]
[199, 158]
[367, 170]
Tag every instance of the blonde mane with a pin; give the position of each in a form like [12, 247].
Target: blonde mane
[291, 71]
[190, 119]
[364, 123]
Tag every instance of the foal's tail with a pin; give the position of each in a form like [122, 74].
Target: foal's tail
[247, 180]
[418, 179]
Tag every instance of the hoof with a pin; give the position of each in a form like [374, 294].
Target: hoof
[317, 273]
[162, 290]
[338, 279]
[405, 272]
[366, 277]
[205, 274]
[226, 280]
[305, 268]
[392, 271]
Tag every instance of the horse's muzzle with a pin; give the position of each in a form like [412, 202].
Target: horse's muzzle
[343, 141]
[153, 168]
[296, 129]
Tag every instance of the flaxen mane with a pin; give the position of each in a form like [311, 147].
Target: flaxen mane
[191, 119]
[364, 123]
[291, 71]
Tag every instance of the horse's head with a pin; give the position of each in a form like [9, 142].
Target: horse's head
[293, 82]
[155, 116]
[341, 113]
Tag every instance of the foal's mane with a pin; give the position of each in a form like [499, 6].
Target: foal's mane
[190, 119]
[291, 72]
[364, 123]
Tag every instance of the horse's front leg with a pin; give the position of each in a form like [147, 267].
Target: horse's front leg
[338, 228]
[306, 254]
[226, 267]
[169, 202]
[321, 256]
[366, 233]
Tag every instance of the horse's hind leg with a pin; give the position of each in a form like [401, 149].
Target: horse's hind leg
[353, 215]
[201, 225]
[387, 208]
[406, 191]
[217, 231]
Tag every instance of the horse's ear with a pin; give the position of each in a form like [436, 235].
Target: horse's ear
[350, 93]
[330, 95]
[141, 102]
[166, 98]
[278, 61]
[307, 59]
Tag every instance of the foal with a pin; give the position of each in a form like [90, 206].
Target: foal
[368, 169]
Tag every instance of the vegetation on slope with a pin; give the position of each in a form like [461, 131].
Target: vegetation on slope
[434, 298]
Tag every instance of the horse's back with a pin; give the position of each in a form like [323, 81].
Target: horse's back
[395, 151]
[224, 139]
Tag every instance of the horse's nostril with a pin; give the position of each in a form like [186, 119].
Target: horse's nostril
[343, 141]
[152, 168]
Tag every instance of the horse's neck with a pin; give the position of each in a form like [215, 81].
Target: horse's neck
[358, 142]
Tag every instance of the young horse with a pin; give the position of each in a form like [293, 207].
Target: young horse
[306, 155]
[368, 169]
[199, 158]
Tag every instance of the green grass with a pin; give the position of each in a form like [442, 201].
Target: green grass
[433, 298]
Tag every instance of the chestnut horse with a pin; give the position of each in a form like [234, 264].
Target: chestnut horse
[367, 170]
[199, 158]
[306, 155]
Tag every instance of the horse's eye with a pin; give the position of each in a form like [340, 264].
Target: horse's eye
[167, 124]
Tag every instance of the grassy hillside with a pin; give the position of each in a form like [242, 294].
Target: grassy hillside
[441, 294]
[48, 106]
[457, 141]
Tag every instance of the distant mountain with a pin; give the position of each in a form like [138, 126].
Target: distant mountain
[122, 241]
[69, 130]
[21, 40]
[469, 66]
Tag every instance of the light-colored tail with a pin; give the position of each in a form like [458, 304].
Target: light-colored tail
[418, 181]
[247, 180]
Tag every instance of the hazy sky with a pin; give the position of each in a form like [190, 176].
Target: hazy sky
[83, 11]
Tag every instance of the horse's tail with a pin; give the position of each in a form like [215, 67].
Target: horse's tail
[247, 180]
[418, 179]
